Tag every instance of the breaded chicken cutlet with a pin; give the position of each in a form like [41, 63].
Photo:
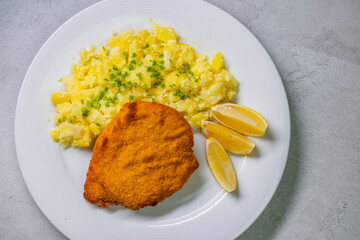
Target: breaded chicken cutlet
[142, 157]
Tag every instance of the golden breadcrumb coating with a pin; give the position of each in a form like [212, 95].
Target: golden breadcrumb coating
[142, 157]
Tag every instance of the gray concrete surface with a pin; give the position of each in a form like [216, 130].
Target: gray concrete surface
[316, 48]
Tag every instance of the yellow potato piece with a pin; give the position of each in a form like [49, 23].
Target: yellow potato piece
[232, 141]
[217, 62]
[163, 33]
[241, 119]
[198, 118]
[220, 165]
[60, 97]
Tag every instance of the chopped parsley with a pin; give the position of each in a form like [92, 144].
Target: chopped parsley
[150, 69]
[132, 65]
[112, 77]
[122, 77]
[126, 55]
[59, 120]
[103, 93]
[187, 69]
[161, 55]
[131, 97]
[181, 96]
[139, 75]
[155, 74]
[179, 92]
[146, 46]
[134, 55]
[96, 104]
[110, 100]
[85, 111]
[98, 124]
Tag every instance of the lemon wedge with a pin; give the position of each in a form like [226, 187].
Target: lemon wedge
[241, 119]
[220, 165]
[232, 141]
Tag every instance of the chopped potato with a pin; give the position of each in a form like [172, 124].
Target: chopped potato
[137, 66]
[217, 62]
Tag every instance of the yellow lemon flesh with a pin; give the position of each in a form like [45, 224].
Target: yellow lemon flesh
[241, 119]
[220, 165]
[232, 141]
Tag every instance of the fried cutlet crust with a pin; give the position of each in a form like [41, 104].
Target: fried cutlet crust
[142, 157]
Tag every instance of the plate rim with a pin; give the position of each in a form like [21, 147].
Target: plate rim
[260, 208]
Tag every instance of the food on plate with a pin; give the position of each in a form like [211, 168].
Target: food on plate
[241, 119]
[220, 165]
[144, 66]
[143, 156]
[232, 141]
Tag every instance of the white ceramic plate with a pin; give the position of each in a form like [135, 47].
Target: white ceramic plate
[201, 210]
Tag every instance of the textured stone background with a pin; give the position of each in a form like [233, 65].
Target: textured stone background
[316, 48]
